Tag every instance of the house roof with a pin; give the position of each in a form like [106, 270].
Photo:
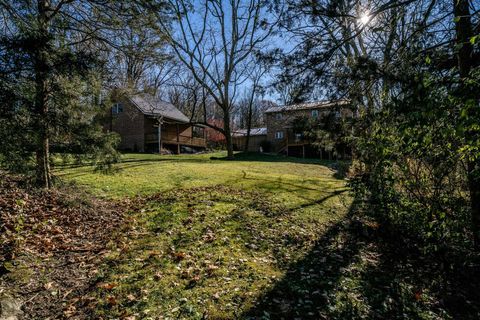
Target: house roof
[149, 105]
[253, 132]
[307, 106]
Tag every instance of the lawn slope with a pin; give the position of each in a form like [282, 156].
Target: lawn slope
[207, 237]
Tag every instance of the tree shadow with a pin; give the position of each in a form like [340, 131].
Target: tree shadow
[358, 270]
[407, 282]
[308, 193]
[277, 182]
[131, 161]
[269, 157]
[319, 201]
[304, 291]
[88, 168]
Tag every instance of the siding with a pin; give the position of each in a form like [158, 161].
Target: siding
[129, 124]
[253, 144]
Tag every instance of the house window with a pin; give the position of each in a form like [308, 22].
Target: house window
[337, 114]
[278, 116]
[279, 135]
[117, 108]
[298, 137]
[315, 113]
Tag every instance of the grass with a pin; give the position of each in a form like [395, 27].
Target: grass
[260, 237]
[207, 237]
[295, 182]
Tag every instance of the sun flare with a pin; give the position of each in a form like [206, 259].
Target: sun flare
[365, 18]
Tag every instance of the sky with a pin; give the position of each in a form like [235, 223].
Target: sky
[274, 41]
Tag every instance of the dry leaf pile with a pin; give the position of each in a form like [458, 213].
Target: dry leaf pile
[51, 243]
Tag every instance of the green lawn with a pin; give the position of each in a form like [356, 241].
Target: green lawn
[208, 238]
[294, 182]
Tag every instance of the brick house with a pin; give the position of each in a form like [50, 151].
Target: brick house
[280, 124]
[147, 124]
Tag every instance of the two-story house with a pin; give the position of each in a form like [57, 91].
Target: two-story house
[280, 122]
[147, 124]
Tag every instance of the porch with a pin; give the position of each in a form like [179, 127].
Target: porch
[173, 139]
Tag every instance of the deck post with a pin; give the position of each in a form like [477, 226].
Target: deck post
[178, 140]
[287, 142]
[159, 137]
[303, 151]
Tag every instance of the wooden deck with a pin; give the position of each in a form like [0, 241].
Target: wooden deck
[176, 140]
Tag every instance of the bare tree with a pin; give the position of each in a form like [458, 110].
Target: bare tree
[187, 95]
[140, 58]
[215, 40]
[249, 105]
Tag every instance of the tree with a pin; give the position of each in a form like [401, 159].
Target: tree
[215, 41]
[411, 68]
[250, 107]
[188, 96]
[52, 55]
[139, 56]
[466, 63]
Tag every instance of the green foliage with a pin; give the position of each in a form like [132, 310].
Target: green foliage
[412, 170]
[54, 61]
[328, 132]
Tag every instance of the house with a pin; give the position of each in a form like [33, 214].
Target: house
[280, 123]
[258, 138]
[148, 124]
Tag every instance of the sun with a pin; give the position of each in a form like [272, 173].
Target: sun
[364, 18]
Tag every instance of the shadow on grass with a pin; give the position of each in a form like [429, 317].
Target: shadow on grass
[269, 157]
[133, 161]
[88, 168]
[277, 182]
[357, 271]
[319, 201]
[304, 291]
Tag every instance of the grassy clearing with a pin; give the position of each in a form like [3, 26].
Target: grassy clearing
[209, 237]
[260, 237]
[294, 182]
[208, 251]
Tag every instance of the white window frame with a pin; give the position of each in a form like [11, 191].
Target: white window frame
[315, 113]
[279, 135]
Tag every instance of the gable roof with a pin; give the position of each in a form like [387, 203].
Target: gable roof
[253, 132]
[307, 106]
[151, 106]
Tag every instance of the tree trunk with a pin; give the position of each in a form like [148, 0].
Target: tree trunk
[43, 174]
[228, 133]
[464, 32]
[249, 127]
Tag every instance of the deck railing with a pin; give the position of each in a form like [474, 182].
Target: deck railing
[172, 139]
[296, 139]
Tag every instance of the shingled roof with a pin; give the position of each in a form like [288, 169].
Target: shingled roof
[307, 106]
[151, 106]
